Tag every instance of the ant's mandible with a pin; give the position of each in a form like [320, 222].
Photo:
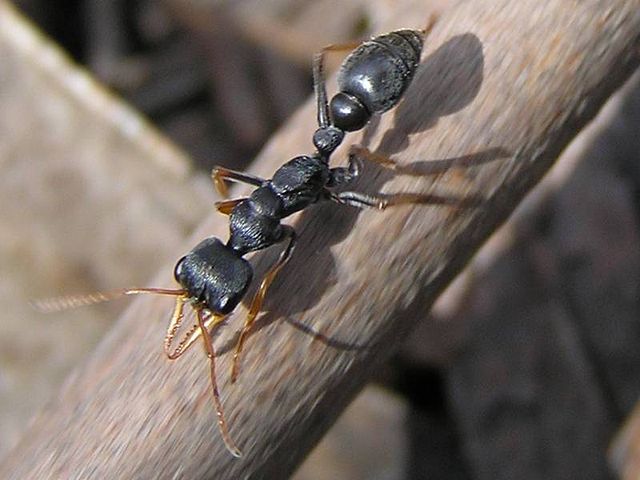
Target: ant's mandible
[214, 276]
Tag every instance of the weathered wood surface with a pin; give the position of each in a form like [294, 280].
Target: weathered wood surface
[625, 451]
[502, 88]
[92, 197]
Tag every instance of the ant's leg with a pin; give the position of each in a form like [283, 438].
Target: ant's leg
[319, 86]
[379, 202]
[220, 174]
[343, 175]
[433, 19]
[360, 152]
[256, 303]
[222, 424]
[320, 90]
[227, 206]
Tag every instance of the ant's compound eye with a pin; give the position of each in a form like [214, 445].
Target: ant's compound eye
[177, 271]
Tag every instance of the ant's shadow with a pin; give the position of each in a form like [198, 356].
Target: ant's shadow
[446, 82]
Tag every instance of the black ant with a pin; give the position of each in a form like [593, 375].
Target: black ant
[214, 276]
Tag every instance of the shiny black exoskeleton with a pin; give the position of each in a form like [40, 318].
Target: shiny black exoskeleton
[374, 77]
[371, 80]
[214, 276]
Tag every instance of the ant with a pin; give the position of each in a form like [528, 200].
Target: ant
[214, 276]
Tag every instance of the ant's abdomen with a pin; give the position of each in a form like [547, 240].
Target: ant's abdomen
[379, 71]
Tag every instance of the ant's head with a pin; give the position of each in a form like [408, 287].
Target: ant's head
[213, 275]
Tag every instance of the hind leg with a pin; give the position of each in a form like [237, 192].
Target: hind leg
[360, 152]
[382, 202]
[319, 82]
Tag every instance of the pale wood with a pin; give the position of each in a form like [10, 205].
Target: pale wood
[503, 86]
[92, 197]
[624, 453]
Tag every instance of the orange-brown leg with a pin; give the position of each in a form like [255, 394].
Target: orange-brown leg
[256, 303]
[433, 19]
[220, 174]
[222, 424]
[227, 206]
[358, 151]
[341, 47]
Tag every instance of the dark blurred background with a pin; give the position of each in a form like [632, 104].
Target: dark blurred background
[188, 66]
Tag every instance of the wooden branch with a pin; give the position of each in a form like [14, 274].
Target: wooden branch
[502, 89]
